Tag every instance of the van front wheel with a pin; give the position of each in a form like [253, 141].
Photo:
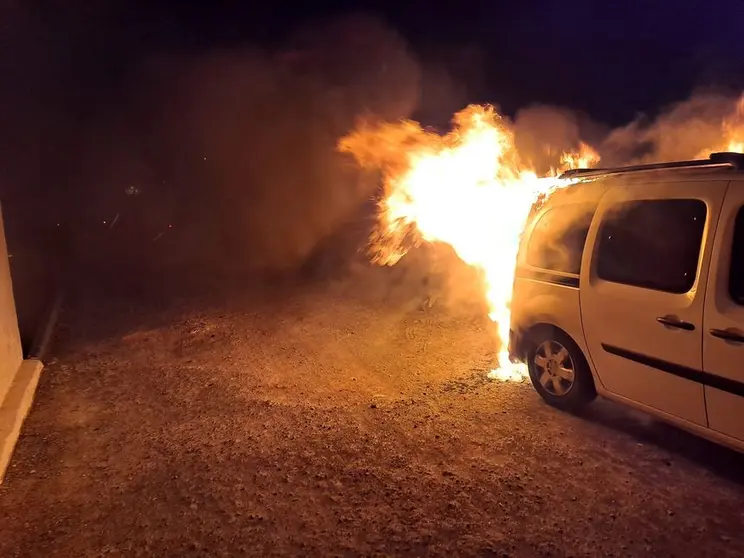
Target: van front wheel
[559, 371]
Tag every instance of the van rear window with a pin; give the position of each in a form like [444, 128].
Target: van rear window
[653, 244]
[558, 238]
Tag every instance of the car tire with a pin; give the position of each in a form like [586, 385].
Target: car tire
[559, 371]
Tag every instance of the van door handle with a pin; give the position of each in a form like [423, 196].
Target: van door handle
[670, 321]
[728, 335]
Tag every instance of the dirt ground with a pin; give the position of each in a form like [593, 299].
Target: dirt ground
[337, 420]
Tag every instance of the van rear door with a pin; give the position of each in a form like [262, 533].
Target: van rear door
[723, 322]
[643, 290]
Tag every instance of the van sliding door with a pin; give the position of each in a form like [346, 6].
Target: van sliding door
[723, 321]
[642, 298]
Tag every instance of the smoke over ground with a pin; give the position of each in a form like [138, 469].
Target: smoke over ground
[225, 156]
[126, 160]
[222, 159]
[235, 149]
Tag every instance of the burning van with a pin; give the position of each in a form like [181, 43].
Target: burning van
[630, 284]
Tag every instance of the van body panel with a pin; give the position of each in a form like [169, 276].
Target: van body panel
[723, 359]
[540, 302]
[691, 376]
[635, 355]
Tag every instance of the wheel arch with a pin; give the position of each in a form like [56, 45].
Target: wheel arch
[523, 340]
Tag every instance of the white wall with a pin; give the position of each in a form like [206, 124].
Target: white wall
[10, 340]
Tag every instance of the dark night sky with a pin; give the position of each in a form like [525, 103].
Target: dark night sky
[611, 59]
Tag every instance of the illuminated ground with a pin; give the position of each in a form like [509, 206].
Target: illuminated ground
[338, 424]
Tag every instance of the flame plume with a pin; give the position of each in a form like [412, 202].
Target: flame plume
[467, 188]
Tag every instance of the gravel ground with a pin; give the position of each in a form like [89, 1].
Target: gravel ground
[326, 423]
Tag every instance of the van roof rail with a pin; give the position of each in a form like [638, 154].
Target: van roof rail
[724, 160]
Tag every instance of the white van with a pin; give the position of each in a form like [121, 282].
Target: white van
[630, 285]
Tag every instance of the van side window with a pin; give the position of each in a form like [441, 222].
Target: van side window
[653, 244]
[558, 238]
[736, 275]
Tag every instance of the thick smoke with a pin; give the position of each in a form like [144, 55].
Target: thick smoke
[243, 141]
[227, 158]
[684, 130]
[542, 133]
[451, 78]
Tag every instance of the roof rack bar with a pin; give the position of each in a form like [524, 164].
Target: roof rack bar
[734, 161]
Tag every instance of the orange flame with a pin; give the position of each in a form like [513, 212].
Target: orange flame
[732, 132]
[586, 157]
[733, 129]
[468, 189]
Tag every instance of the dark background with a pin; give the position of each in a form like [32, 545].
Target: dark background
[140, 140]
[611, 59]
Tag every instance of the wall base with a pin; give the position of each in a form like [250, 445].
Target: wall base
[15, 408]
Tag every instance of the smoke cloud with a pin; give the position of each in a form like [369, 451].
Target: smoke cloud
[248, 138]
[704, 122]
[227, 158]
[683, 130]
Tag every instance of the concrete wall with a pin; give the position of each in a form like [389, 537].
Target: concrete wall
[11, 355]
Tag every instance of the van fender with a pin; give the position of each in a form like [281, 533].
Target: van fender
[549, 310]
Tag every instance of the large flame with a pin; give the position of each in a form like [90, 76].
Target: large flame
[732, 132]
[468, 189]
[733, 129]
